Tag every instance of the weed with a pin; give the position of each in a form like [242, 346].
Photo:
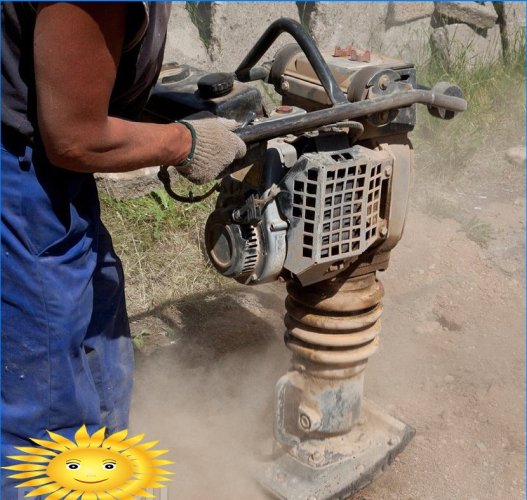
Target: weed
[159, 242]
[138, 340]
[495, 118]
[440, 207]
[478, 231]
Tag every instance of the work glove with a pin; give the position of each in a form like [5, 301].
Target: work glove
[214, 147]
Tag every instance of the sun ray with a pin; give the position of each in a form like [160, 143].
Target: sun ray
[133, 440]
[161, 462]
[57, 495]
[25, 467]
[160, 472]
[61, 440]
[143, 493]
[156, 453]
[97, 438]
[44, 490]
[146, 446]
[89, 496]
[26, 475]
[35, 482]
[82, 438]
[29, 458]
[36, 451]
[117, 437]
[49, 444]
[73, 495]
[105, 496]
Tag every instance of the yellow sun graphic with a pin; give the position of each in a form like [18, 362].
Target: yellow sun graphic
[91, 467]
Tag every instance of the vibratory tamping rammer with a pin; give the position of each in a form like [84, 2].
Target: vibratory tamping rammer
[319, 202]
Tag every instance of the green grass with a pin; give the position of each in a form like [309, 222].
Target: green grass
[440, 207]
[160, 243]
[495, 118]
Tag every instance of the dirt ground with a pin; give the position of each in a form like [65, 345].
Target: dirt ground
[451, 363]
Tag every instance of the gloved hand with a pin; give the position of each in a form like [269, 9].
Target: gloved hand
[215, 147]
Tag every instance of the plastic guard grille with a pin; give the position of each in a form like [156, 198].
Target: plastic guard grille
[336, 204]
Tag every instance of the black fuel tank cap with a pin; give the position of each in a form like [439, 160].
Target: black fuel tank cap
[215, 85]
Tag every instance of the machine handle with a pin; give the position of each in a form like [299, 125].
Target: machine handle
[306, 43]
[298, 123]
[440, 103]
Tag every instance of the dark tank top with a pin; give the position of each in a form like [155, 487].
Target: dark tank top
[138, 69]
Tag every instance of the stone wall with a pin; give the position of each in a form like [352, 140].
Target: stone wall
[216, 35]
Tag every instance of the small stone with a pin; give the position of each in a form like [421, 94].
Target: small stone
[126, 185]
[449, 379]
[516, 156]
[428, 327]
[481, 447]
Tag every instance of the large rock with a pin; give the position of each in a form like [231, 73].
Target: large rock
[409, 42]
[340, 23]
[460, 43]
[404, 12]
[512, 24]
[482, 16]
[236, 26]
[129, 184]
[184, 44]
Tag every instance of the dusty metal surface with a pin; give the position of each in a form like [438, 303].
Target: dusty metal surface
[333, 202]
[329, 445]
[335, 322]
[338, 466]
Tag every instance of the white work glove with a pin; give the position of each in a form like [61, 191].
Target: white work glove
[215, 147]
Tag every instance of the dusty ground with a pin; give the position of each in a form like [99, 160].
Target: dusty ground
[452, 363]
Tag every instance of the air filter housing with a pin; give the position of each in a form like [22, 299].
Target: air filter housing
[335, 205]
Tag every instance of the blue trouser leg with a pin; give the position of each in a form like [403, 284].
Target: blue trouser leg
[67, 358]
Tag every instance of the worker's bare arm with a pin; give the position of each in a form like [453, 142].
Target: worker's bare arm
[76, 51]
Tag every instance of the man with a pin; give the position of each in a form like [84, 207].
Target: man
[74, 77]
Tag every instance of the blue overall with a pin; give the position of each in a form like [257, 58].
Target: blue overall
[67, 358]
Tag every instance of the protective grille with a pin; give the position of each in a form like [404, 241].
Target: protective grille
[336, 204]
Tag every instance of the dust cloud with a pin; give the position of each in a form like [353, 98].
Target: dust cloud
[208, 394]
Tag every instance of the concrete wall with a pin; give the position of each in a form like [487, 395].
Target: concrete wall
[216, 35]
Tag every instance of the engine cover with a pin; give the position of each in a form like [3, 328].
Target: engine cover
[315, 215]
[335, 205]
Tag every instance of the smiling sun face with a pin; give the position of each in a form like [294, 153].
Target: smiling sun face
[91, 467]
